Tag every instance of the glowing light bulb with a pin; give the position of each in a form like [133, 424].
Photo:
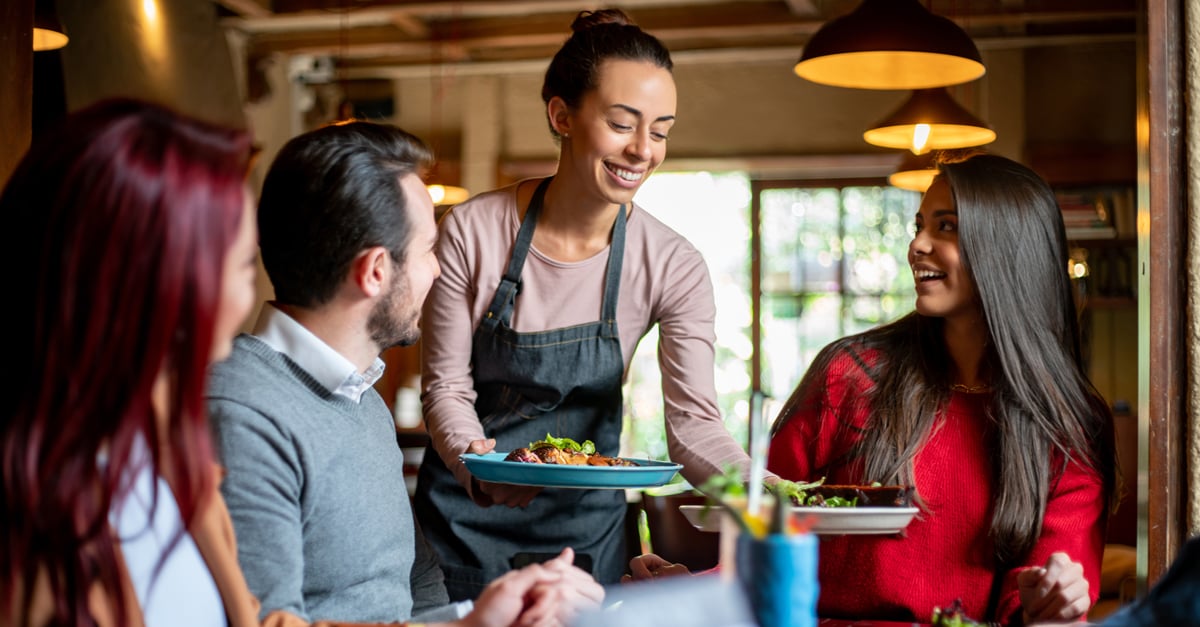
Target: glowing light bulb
[437, 193]
[920, 138]
[150, 9]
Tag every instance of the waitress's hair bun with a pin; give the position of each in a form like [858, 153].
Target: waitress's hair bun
[591, 19]
[598, 36]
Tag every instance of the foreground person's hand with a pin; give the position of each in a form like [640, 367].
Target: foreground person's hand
[487, 493]
[558, 602]
[651, 566]
[1054, 593]
[539, 595]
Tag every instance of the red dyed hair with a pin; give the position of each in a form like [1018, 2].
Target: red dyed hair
[118, 222]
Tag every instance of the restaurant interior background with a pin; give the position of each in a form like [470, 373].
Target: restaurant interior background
[767, 173]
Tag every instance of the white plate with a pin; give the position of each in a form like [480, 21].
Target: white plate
[825, 520]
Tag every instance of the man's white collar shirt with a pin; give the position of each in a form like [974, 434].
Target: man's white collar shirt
[333, 371]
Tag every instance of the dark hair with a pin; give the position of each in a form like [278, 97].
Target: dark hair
[121, 217]
[598, 36]
[1044, 409]
[330, 194]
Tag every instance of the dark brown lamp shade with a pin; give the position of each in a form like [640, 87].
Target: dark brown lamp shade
[890, 44]
[934, 114]
[48, 31]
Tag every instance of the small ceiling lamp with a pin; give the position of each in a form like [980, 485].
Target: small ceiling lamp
[446, 194]
[890, 44]
[916, 172]
[48, 32]
[930, 120]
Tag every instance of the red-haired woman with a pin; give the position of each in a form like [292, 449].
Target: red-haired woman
[133, 260]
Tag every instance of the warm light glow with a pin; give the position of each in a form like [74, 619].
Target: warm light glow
[920, 138]
[447, 194]
[46, 39]
[1077, 265]
[889, 69]
[150, 8]
[437, 193]
[940, 136]
[915, 180]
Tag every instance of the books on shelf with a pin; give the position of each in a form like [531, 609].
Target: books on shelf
[1097, 212]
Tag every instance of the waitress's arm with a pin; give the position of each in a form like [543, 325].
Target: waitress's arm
[448, 323]
[686, 313]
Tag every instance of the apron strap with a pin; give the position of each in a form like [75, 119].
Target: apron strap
[510, 284]
[504, 300]
[612, 278]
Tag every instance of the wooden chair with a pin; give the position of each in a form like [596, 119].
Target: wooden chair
[675, 539]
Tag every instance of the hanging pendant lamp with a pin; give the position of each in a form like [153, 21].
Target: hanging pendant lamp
[48, 31]
[890, 44]
[916, 172]
[447, 194]
[930, 120]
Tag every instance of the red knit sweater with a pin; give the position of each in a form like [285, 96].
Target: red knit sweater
[946, 552]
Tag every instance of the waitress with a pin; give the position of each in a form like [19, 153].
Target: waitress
[547, 286]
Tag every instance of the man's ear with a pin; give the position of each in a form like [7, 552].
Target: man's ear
[560, 116]
[371, 271]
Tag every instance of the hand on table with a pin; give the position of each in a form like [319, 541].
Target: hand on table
[1054, 593]
[488, 493]
[651, 566]
[540, 595]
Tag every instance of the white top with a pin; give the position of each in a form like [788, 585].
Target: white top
[180, 592]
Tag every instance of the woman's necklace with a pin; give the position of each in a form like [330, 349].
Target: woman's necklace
[970, 389]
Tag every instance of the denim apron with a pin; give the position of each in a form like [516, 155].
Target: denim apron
[565, 382]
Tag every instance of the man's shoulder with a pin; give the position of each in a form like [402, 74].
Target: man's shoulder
[254, 377]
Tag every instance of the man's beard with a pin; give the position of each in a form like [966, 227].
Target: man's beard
[393, 322]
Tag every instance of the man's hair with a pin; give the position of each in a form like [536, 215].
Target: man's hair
[330, 194]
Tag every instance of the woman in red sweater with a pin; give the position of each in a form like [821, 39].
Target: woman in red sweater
[980, 401]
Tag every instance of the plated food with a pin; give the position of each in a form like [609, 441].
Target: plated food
[818, 494]
[564, 463]
[823, 520]
[953, 616]
[564, 451]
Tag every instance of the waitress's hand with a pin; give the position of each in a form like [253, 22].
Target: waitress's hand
[1054, 593]
[651, 566]
[487, 493]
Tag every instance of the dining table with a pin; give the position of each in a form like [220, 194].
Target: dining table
[851, 622]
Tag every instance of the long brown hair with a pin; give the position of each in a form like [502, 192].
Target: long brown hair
[1044, 409]
[121, 220]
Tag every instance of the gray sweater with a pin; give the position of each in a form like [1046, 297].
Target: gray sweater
[315, 487]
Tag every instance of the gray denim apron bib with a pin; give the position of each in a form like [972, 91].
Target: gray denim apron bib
[565, 382]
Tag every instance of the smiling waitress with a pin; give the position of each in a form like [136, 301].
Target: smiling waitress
[547, 286]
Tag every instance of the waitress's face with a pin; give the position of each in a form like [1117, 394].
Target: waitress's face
[943, 287]
[618, 135]
[238, 273]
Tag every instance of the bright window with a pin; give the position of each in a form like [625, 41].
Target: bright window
[833, 263]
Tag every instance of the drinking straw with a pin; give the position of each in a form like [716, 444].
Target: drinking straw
[758, 451]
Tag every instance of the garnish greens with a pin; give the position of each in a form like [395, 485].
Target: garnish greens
[564, 444]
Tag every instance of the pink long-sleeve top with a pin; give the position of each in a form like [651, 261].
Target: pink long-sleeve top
[664, 280]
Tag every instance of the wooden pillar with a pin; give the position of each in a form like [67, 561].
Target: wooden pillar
[481, 126]
[16, 82]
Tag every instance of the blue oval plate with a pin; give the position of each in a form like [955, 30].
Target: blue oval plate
[647, 474]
